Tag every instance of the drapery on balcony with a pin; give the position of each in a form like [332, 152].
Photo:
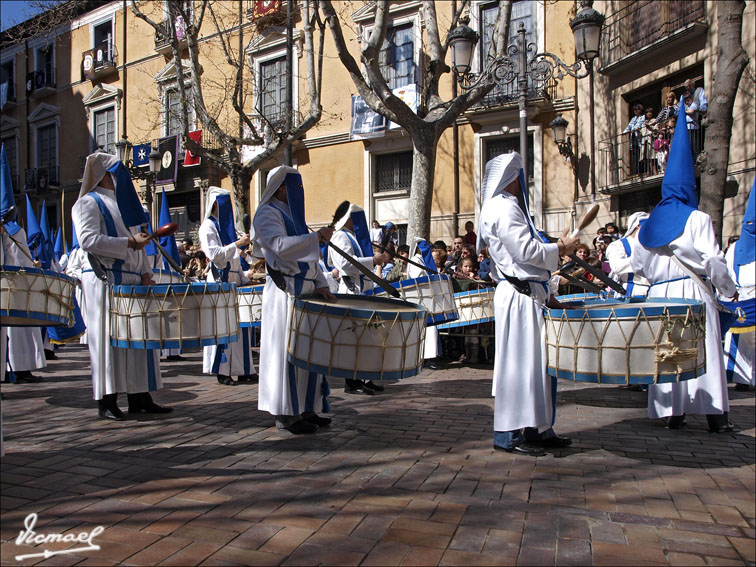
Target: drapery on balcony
[164, 35]
[643, 23]
[638, 158]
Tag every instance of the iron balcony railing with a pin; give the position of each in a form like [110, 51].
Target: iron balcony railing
[39, 179]
[644, 22]
[640, 155]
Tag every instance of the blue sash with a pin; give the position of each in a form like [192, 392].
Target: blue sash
[291, 230]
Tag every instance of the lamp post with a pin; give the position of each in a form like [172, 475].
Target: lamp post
[123, 151]
[541, 67]
[154, 158]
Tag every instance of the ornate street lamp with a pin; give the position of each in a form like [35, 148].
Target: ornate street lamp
[462, 40]
[586, 27]
[559, 126]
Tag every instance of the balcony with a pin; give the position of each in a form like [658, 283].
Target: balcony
[40, 179]
[651, 32]
[99, 62]
[8, 94]
[164, 36]
[41, 83]
[636, 160]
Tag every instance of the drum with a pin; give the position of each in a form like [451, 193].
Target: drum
[173, 315]
[475, 307]
[636, 340]
[31, 297]
[434, 292]
[368, 338]
[166, 277]
[250, 305]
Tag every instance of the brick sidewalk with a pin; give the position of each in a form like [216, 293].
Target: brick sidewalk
[408, 477]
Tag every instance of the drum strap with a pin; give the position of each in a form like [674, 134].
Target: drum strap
[111, 230]
[523, 286]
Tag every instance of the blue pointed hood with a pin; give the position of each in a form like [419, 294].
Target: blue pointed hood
[745, 247]
[46, 250]
[33, 231]
[59, 247]
[6, 192]
[74, 238]
[128, 201]
[168, 242]
[150, 249]
[667, 221]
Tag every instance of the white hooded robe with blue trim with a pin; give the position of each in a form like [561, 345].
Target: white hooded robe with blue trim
[740, 348]
[114, 370]
[284, 389]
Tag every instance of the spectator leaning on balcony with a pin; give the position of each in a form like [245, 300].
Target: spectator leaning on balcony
[699, 96]
[633, 128]
[669, 109]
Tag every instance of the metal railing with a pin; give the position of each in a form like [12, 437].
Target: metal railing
[164, 35]
[639, 155]
[643, 22]
[42, 78]
[39, 179]
[105, 55]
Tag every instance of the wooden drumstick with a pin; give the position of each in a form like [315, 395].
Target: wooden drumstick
[587, 219]
[165, 230]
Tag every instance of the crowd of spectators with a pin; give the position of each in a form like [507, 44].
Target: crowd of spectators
[649, 136]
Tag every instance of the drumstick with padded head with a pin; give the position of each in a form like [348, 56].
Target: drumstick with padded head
[165, 230]
[587, 219]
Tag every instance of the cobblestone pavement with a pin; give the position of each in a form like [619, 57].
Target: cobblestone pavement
[408, 477]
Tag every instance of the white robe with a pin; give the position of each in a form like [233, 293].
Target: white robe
[283, 388]
[430, 346]
[114, 370]
[238, 355]
[697, 247]
[25, 344]
[622, 271]
[74, 267]
[341, 240]
[740, 348]
[521, 386]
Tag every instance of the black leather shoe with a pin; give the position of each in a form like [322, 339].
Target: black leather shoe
[27, 376]
[742, 388]
[147, 405]
[316, 419]
[372, 386]
[108, 413]
[226, 380]
[361, 391]
[552, 442]
[523, 449]
[248, 379]
[729, 427]
[174, 357]
[50, 354]
[301, 427]
[431, 366]
[676, 421]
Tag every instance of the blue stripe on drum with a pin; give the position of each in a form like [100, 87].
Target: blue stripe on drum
[465, 323]
[356, 313]
[614, 308]
[51, 273]
[183, 343]
[349, 373]
[441, 318]
[408, 283]
[593, 378]
[38, 316]
[246, 325]
[248, 289]
[177, 288]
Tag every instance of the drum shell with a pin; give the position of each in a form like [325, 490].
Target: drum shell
[631, 341]
[160, 277]
[474, 307]
[173, 315]
[434, 292]
[372, 342]
[250, 305]
[32, 297]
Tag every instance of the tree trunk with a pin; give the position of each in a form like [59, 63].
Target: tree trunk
[421, 194]
[241, 179]
[731, 62]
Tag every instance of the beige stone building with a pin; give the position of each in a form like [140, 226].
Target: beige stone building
[108, 74]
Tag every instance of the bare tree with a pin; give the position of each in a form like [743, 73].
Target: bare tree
[434, 115]
[732, 60]
[232, 135]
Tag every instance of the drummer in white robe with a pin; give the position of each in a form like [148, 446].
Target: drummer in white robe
[353, 237]
[217, 235]
[422, 255]
[618, 255]
[293, 395]
[740, 341]
[522, 265]
[107, 206]
[676, 229]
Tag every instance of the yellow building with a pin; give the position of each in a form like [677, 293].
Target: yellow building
[108, 74]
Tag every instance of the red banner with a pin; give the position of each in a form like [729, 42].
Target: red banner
[190, 158]
[263, 8]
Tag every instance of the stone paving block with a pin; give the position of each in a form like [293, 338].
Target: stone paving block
[230, 555]
[469, 538]
[455, 557]
[192, 554]
[308, 554]
[286, 541]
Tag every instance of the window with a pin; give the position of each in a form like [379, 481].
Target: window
[7, 83]
[47, 151]
[174, 112]
[393, 172]
[103, 42]
[397, 57]
[10, 153]
[273, 83]
[44, 59]
[104, 129]
[508, 145]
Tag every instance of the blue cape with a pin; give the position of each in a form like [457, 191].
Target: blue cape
[168, 242]
[362, 232]
[128, 201]
[667, 221]
[33, 231]
[427, 253]
[6, 192]
[745, 247]
[295, 196]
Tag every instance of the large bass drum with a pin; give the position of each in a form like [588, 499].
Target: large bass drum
[250, 305]
[434, 292]
[173, 315]
[357, 337]
[31, 297]
[631, 341]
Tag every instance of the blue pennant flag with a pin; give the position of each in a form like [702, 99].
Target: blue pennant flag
[141, 154]
[59, 247]
[46, 251]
